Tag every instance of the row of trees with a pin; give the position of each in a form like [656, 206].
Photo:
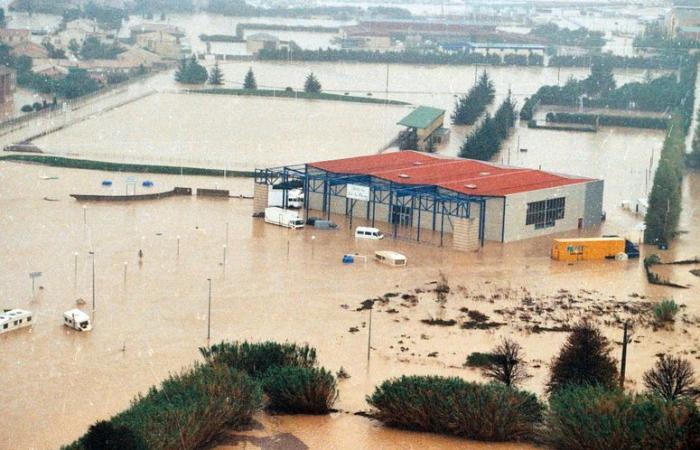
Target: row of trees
[400, 57]
[240, 8]
[667, 61]
[580, 37]
[599, 90]
[485, 141]
[470, 106]
[191, 71]
[693, 159]
[665, 198]
[586, 408]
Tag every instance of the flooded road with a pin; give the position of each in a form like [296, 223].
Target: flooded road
[152, 321]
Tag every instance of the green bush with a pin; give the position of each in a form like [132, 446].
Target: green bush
[189, 409]
[104, 435]
[300, 390]
[257, 358]
[596, 418]
[488, 412]
[478, 359]
[665, 311]
[27, 108]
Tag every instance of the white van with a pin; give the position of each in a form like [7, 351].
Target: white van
[77, 320]
[390, 258]
[368, 233]
[12, 319]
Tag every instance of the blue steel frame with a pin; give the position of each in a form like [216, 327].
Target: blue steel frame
[420, 197]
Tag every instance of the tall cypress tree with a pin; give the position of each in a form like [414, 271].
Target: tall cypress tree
[216, 76]
[312, 85]
[249, 82]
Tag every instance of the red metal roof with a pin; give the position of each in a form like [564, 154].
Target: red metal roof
[467, 176]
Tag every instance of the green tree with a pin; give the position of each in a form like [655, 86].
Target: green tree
[93, 48]
[73, 46]
[3, 21]
[77, 83]
[601, 80]
[312, 85]
[6, 58]
[672, 378]
[191, 72]
[469, 107]
[249, 81]
[216, 76]
[104, 435]
[583, 360]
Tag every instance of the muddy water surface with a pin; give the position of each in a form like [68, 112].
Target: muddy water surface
[275, 284]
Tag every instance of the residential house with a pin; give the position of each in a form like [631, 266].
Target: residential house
[258, 41]
[30, 49]
[14, 36]
[683, 22]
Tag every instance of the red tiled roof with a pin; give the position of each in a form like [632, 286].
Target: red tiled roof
[467, 176]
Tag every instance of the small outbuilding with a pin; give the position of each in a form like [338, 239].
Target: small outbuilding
[424, 129]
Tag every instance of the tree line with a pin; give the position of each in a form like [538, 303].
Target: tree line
[599, 90]
[240, 8]
[401, 57]
[665, 61]
[190, 71]
[484, 142]
[470, 106]
[561, 36]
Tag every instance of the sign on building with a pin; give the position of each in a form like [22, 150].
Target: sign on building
[357, 192]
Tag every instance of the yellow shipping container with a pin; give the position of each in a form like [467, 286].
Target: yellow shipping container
[580, 249]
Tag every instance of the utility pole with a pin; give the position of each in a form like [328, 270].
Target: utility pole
[369, 334]
[623, 361]
[209, 314]
[93, 282]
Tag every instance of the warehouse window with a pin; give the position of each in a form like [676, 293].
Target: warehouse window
[545, 213]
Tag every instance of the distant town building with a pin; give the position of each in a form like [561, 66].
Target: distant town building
[161, 39]
[258, 41]
[8, 84]
[13, 36]
[486, 48]
[30, 49]
[683, 22]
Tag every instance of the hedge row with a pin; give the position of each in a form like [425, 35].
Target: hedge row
[656, 123]
[291, 93]
[60, 161]
[590, 417]
[401, 57]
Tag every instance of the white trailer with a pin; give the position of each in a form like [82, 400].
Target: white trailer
[12, 319]
[283, 218]
[77, 320]
[295, 198]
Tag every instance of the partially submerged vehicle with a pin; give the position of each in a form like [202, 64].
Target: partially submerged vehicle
[390, 258]
[77, 320]
[13, 319]
[368, 233]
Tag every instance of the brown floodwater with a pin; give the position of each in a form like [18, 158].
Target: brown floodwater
[275, 284]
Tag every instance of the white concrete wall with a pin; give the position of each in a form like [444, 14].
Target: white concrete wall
[494, 219]
[576, 208]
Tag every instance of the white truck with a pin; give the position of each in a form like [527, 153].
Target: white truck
[295, 198]
[283, 218]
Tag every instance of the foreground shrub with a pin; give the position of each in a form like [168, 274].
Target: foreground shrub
[104, 435]
[257, 358]
[488, 412]
[665, 311]
[188, 410]
[478, 359]
[300, 390]
[593, 417]
[584, 359]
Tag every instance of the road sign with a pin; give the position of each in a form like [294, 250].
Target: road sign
[357, 192]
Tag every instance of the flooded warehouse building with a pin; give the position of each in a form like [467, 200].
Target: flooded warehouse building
[414, 192]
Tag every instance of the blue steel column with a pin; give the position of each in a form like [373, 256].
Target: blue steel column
[306, 190]
[374, 203]
[442, 220]
[419, 209]
[482, 221]
[285, 191]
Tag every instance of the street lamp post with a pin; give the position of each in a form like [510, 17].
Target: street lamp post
[75, 269]
[93, 281]
[178, 245]
[84, 214]
[209, 313]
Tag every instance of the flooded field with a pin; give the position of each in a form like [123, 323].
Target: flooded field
[150, 316]
[221, 131]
